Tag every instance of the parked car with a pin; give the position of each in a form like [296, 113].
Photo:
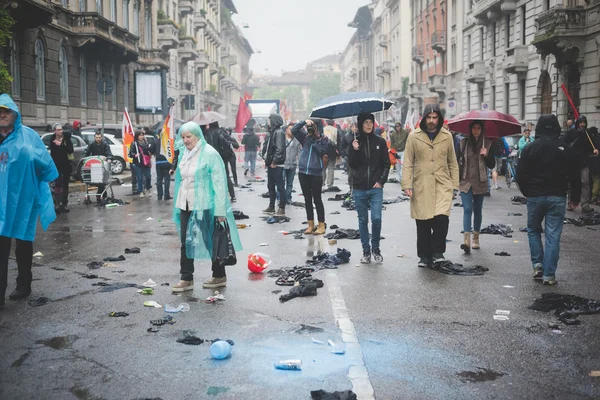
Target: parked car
[112, 129]
[118, 164]
[79, 146]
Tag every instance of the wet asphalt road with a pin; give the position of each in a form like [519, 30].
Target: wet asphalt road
[418, 333]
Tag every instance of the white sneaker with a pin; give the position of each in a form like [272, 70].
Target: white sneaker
[141, 195]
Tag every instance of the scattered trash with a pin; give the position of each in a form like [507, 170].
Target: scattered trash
[557, 331]
[292, 365]
[482, 375]
[567, 307]
[191, 340]
[502, 312]
[133, 250]
[90, 276]
[152, 303]
[146, 291]
[149, 219]
[343, 234]
[276, 291]
[237, 215]
[335, 213]
[449, 268]
[317, 341]
[113, 259]
[508, 286]
[501, 317]
[263, 245]
[38, 254]
[594, 374]
[95, 264]
[402, 256]
[334, 227]
[395, 200]
[299, 236]
[113, 205]
[220, 350]
[510, 214]
[499, 229]
[276, 219]
[164, 284]
[518, 200]
[333, 189]
[242, 226]
[111, 287]
[258, 262]
[327, 260]
[40, 301]
[332, 242]
[153, 329]
[215, 297]
[346, 394]
[516, 241]
[149, 283]
[118, 314]
[331, 343]
[339, 351]
[162, 321]
[524, 229]
[458, 205]
[182, 307]
[502, 254]
[305, 288]
[585, 220]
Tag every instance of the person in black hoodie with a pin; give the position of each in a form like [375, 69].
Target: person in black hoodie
[581, 141]
[163, 169]
[61, 151]
[369, 159]
[99, 147]
[273, 152]
[546, 168]
[215, 136]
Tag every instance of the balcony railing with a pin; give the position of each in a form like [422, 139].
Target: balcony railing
[157, 57]
[438, 41]
[387, 67]
[199, 21]
[560, 22]
[418, 54]
[186, 7]
[491, 10]
[187, 49]
[517, 59]
[202, 60]
[437, 84]
[168, 35]
[416, 89]
[476, 72]
[383, 40]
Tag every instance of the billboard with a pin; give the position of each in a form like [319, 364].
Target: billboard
[150, 92]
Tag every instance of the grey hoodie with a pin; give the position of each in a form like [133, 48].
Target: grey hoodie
[292, 151]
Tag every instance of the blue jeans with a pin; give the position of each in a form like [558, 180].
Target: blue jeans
[142, 175]
[552, 210]
[250, 161]
[363, 199]
[288, 177]
[472, 204]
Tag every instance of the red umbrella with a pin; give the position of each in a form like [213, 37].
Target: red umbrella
[496, 124]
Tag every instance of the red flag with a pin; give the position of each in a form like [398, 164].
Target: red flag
[575, 111]
[247, 96]
[243, 116]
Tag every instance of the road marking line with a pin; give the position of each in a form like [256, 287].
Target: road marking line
[358, 374]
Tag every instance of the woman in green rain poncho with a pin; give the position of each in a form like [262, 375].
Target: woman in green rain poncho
[200, 201]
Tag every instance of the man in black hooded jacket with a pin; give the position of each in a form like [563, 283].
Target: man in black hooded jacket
[369, 159]
[546, 168]
[273, 152]
[582, 142]
[215, 136]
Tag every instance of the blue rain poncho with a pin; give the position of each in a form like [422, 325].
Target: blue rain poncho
[210, 197]
[25, 170]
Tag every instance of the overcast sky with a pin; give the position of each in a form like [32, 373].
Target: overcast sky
[291, 33]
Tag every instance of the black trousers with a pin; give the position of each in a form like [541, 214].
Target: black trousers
[275, 183]
[163, 182]
[187, 264]
[232, 163]
[431, 236]
[229, 182]
[24, 255]
[311, 190]
[64, 177]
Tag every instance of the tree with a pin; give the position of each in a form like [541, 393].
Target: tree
[324, 85]
[293, 96]
[266, 93]
[6, 23]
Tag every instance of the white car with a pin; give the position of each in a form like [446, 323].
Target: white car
[118, 164]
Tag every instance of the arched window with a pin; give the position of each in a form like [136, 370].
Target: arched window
[15, 67]
[63, 68]
[83, 80]
[113, 78]
[126, 87]
[40, 70]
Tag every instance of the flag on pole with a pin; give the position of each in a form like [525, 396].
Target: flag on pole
[128, 135]
[243, 116]
[167, 136]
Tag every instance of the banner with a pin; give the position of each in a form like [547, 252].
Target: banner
[167, 136]
[243, 116]
[128, 135]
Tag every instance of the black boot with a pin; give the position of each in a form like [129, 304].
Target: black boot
[21, 292]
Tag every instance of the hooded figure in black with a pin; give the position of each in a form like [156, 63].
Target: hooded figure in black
[430, 178]
[582, 142]
[546, 168]
[369, 159]
[215, 136]
[273, 153]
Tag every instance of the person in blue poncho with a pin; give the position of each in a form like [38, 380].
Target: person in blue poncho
[201, 202]
[26, 168]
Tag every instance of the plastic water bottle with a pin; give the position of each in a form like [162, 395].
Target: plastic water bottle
[220, 350]
[295, 365]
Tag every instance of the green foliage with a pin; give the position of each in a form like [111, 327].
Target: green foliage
[6, 23]
[213, 88]
[168, 22]
[182, 31]
[293, 95]
[405, 81]
[161, 16]
[203, 12]
[324, 85]
[267, 93]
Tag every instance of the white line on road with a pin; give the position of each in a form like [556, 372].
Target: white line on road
[358, 374]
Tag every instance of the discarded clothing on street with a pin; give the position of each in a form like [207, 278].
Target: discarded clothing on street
[398, 199]
[90, 276]
[510, 214]
[133, 250]
[449, 268]
[499, 229]
[95, 264]
[393, 180]
[118, 314]
[567, 307]
[276, 219]
[348, 204]
[343, 234]
[519, 200]
[335, 213]
[162, 321]
[256, 180]
[338, 197]
[266, 195]
[112, 200]
[297, 204]
[307, 287]
[112, 259]
[334, 227]
[328, 261]
[502, 254]
[40, 301]
[111, 287]
[323, 395]
[189, 339]
[334, 189]
[299, 236]
[289, 276]
[585, 220]
[239, 215]
[458, 205]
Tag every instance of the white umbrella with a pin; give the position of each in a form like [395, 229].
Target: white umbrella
[208, 117]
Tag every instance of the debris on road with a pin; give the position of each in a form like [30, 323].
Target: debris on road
[113, 259]
[499, 229]
[567, 307]
[215, 297]
[149, 283]
[133, 250]
[334, 189]
[152, 303]
[147, 291]
[323, 395]
[292, 365]
[40, 301]
[237, 215]
[38, 254]
[510, 214]
[343, 234]
[585, 220]
[502, 254]
[149, 219]
[118, 314]
[518, 200]
[449, 268]
[90, 276]
[220, 350]
[276, 219]
[317, 341]
[258, 262]
[305, 288]
[162, 321]
[95, 264]
[191, 340]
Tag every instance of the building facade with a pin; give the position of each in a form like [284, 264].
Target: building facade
[61, 48]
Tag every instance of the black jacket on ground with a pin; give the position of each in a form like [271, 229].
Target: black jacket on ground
[273, 150]
[251, 141]
[371, 162]
[60, 154]
[98, 149]
[548, 165]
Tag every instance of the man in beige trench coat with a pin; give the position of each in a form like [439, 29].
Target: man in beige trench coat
[430, 177]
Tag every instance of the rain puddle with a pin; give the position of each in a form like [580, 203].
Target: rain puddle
[482, 375]
[308, 329]
[216, 390]
[59, 342]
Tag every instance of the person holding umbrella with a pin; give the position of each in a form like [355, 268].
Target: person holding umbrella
[474, 158]
[430, 176]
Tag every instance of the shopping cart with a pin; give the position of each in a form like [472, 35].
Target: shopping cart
[94, 172]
